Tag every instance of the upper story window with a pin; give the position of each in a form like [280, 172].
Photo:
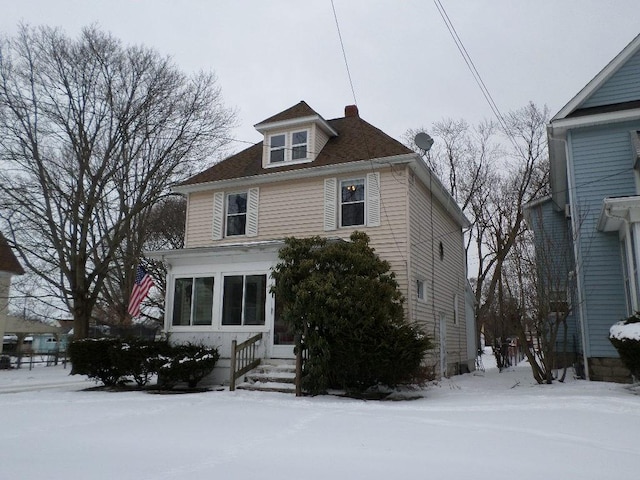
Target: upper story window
[277, 148]
[299, 145]
[352, 202]
[289, 147]
[236, 213]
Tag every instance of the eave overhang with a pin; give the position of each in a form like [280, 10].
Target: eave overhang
[617, 211]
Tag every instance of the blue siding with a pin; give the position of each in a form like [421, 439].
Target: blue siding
[602, 160]
[623, 86]
[554, 252]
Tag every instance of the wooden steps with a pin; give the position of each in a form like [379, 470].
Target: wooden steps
[271, 376]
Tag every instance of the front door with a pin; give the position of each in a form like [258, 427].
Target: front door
[283, 339]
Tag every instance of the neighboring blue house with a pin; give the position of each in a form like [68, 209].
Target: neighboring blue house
[593, 213]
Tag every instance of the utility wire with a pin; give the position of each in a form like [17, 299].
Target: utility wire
[476, 75]
[344, 53]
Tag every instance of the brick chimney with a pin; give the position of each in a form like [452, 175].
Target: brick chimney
[351, 111]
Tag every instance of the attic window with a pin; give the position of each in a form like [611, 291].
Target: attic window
[289, 147]
[299, 145]
[277, 146]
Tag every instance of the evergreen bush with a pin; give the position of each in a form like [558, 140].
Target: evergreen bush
[345, 304]
[188, 363]
[115, 361]
[625, 337]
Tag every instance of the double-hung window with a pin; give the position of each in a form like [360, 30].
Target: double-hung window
[352, 202]
[236, 214]
[244, 299]
[288, 147]
[277, 148]
[193, 301]
[299, 145]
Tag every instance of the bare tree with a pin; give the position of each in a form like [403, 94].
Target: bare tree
[492, 171]
[162, 228]
[92, 134]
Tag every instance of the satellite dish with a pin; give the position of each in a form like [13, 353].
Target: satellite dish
[423, 141]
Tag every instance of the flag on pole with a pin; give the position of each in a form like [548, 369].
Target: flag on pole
[141, 288]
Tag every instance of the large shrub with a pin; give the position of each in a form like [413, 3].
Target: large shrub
[100, 359]
[114, 361]
[625, 337]
[344, 302]
[188, 363]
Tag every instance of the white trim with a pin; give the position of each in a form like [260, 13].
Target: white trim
[560, 125]
[287, 149]
[605, 74]
[292, 122]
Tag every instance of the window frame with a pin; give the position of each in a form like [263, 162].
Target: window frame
[192, 300]
[280, 148]
[421, 290]
[235, 215]
[288, 148]
[243, 307]
[341, 203]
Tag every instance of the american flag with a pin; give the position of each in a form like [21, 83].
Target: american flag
[143, 284]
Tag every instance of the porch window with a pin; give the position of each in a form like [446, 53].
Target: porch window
[193, 301]
[244, 299]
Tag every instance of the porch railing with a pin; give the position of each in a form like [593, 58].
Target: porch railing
[243, 358]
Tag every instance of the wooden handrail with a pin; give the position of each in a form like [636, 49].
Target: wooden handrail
[243, 358]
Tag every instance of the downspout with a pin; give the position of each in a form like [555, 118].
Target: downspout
[576, 250]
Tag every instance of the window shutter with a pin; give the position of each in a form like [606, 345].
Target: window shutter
[330, 203]
[373, 199]
[218, 215]
[252, 212]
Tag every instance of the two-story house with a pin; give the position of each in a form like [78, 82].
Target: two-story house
[310, 176]
[594, 149]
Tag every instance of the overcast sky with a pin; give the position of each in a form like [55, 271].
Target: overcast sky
[406, 69]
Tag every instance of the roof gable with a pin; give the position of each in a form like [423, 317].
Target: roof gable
[301, 109]
[615, 84]
[356, 140]
[8, 261]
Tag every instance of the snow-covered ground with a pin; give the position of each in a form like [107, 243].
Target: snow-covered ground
[484, 425]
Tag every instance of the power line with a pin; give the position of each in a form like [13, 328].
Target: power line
[344, 53]
[476, 75]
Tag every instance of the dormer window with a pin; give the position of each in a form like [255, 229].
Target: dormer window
[289, 147]
[277, 148]
[299, 145]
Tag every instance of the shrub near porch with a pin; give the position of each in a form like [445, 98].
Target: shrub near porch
[344, 303]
